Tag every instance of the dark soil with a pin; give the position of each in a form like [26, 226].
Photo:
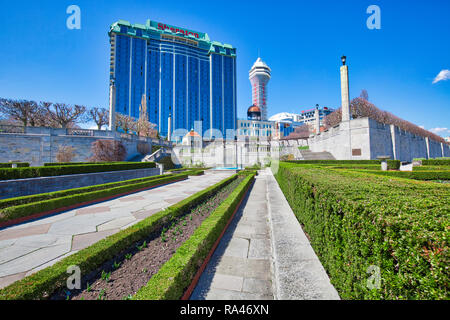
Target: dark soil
[123, 276]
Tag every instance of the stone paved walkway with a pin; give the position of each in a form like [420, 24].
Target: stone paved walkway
[264, 254]
[241, 266]
[29, 247]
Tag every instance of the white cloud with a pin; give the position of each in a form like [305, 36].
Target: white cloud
[440, 131]
[443, 75]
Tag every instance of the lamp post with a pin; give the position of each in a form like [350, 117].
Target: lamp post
[235, 151]
[257, 149]
[317, 119]
[224, 155]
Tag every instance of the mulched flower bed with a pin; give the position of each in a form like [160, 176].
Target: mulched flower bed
[122, 277]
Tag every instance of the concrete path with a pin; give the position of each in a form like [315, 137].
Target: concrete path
[29, 247]
[264, 254]
[241, 266]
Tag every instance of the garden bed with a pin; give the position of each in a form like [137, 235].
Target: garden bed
[123, 276]
[43, 284]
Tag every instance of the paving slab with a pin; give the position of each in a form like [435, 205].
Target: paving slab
[85, 240]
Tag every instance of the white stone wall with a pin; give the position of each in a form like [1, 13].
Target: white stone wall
[340, 143]
[40, 145]
[374, 139]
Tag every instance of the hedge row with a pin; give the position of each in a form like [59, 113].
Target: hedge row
[51, 164]
[431, 168]
[172, 279]
[58, 194]
[167, 162]
[416, 175]
[360, 164]
[334, 161]
[45, 282]
[33, 172]
[18, 164]
[436, 162]
[28, 209]
[357, 220]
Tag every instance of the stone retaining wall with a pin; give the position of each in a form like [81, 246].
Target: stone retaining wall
[39, 145]
[23, 187]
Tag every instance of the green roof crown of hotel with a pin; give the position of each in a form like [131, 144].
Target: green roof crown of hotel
[153, 29]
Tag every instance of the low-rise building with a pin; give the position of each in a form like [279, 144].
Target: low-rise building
[253, 126]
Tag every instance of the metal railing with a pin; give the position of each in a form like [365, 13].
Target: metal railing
[7, 128]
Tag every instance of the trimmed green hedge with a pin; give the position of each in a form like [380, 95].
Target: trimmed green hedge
[33, 172]
[51, 164]
[9, 164]
[334, 161]
[61, 199]
[356, 164]
[167, 162]
[356, 220]
[172, 279]
[393, 164]
[416, 175]
[436, 162]
[43, 283]
[431, 168]
[4, 203]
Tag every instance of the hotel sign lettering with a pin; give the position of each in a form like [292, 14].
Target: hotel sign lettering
[186, 32]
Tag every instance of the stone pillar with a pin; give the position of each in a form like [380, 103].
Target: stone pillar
[427, 141]
[169, 128]
[346, 114]
[112, 107]
[317, 119]
[394, 151]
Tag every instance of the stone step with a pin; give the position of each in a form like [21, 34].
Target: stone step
[309, 155]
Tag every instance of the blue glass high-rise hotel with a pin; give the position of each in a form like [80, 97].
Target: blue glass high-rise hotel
[178, 71]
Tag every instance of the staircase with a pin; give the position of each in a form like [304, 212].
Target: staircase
[309, 155]
[158, 154]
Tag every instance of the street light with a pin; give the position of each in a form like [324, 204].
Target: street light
[235, 151]
[343, 58]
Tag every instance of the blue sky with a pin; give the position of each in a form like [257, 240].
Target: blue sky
[301, 41]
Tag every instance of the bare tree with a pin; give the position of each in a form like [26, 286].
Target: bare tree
[144, 127]
[127, 123]
[333, 119]
[19, 110]
[108, 150]
[300, 132]
[65, 154]
[41, 118]
[364, 95]
[65, 115]
[100, 116]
